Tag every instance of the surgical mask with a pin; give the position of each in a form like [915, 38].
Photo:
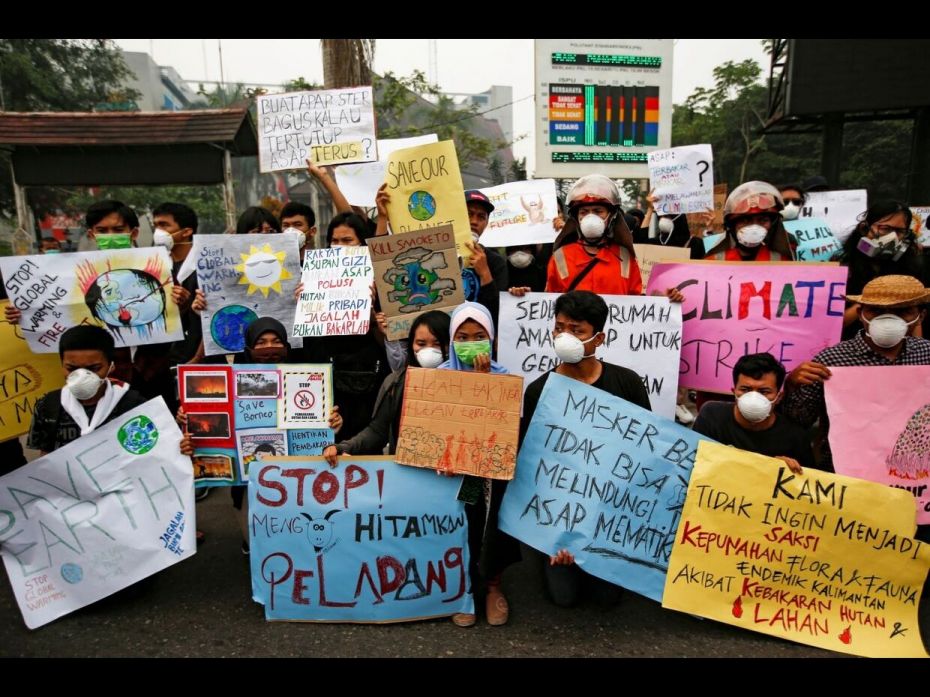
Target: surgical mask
[113, 240]
[301, 236]
[52, 251]
[467, 351]
[569, 348]
[751, 235]
[521, 260]
[592, 226]
[666, 226]
[887, 330]
[83, 383]
[269, 354]
[754, 407]
[429, 357]
[160, 238]
[791, 211]
[885, 246]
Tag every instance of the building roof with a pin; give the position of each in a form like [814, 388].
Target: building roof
[232, 127]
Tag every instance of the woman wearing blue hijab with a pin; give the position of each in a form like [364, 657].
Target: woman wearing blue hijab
[472, 332]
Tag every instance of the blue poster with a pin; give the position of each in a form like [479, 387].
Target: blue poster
[815, 240]
[367, 541]
[604, 479]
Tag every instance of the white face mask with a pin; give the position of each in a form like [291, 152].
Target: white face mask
[592, 226]
[666, 226]
[83, 384]
[751, 235]
[754, 407]
[521, 259]
[569, 348]
[790, 212]
[301, 236]
[429, 357]
[887, 330]
[160, 238]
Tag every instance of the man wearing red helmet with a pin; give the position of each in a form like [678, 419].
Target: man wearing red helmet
[752, 220]
[594, 250]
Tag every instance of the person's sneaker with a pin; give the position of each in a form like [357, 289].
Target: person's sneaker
[245, 548]
[201, 494]
[464, 619]
[683, 414]
[498, 611]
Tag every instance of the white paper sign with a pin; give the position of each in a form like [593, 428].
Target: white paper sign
[97, 515]
[841, 209]
[523, 213]
[359, 183]
[308, 396]
[643, 334]
[683, 179]
[326, 126]
[125, 291]
[336, 297]
[919, 224]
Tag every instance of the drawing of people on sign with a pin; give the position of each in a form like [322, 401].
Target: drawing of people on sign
[126, 299]
[416, 283]
[535, 207]
[262, 269]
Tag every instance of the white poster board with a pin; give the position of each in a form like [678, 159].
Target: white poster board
[359, 183]
[97, 515]
[325, 126]
[841, 209]
[336, 295]
[683, 179]
[523, 213]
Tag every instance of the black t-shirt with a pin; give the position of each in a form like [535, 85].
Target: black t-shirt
[53, 427]
[716, 420]
[616, 380]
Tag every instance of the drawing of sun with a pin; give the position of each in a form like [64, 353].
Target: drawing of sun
[262, 269]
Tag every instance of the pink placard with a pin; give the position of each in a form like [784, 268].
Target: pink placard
[788, 309]
[880, 427]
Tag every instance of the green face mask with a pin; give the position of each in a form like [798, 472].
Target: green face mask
[114, 240]
[467, 351]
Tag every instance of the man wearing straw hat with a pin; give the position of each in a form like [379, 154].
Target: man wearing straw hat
[891, 309]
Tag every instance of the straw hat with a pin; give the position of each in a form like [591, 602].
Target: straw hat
[892, 291]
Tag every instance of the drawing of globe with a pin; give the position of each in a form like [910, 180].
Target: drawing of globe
[228, 327]
[138, 435]
[72, 573]
[421, 205]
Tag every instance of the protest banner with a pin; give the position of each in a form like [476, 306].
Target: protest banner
[24, 378]
[368, 542]
[325, 126]
[841, 209]
[882, 435]
[97, 515]
[359, 183]
[336, 297]
[415, 272]
[523, 213]
[426, 191]
[467, 423]
[789, 309]
[815, 240]
[642, 334]
[919, 226]
[125, 291]
[243, 277]
[604, 479]
[648, 255]
[816, 558]
[682, 179]
[232, 411]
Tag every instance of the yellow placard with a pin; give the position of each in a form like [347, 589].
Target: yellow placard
[426, 191]
[816, 558]
[24, 377]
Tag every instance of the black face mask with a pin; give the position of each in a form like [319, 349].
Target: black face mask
[270, 354]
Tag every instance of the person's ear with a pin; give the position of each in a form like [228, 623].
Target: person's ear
[599, 339]
[186, 233]
[133, 234]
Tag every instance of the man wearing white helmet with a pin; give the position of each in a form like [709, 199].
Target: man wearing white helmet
[752, 220]
[594, 250]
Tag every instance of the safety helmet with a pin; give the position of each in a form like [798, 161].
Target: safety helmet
[594, 189]
[752, 197]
